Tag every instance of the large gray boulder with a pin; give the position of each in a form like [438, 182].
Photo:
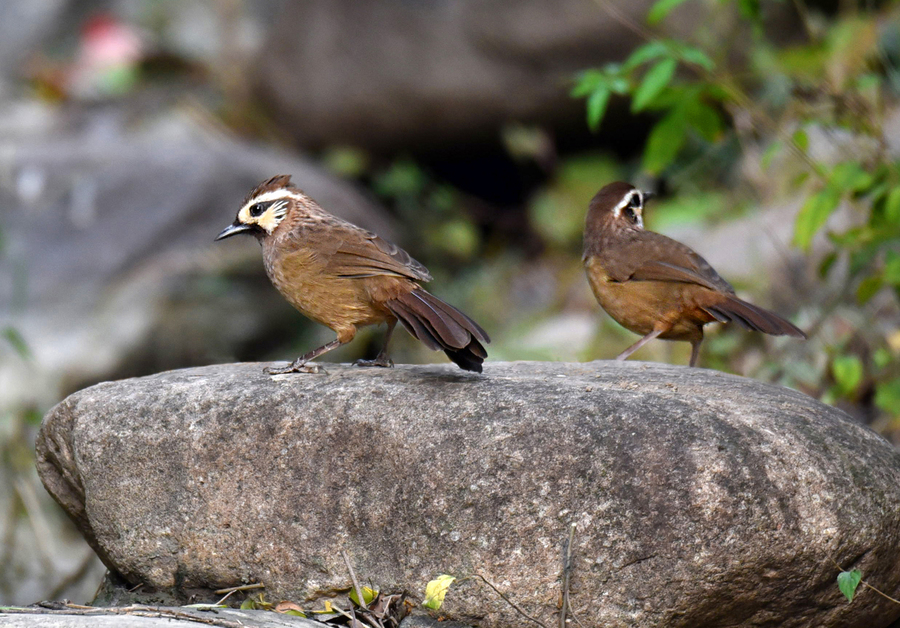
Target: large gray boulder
[699, 498]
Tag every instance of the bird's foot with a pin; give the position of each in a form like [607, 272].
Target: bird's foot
[295, 367]
[382, 360]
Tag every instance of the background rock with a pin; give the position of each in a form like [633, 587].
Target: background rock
[700, 499]
[377, 74]
[394, 74]
[24, 23]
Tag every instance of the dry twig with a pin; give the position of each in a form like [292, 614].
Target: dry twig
[567, 571]
[243, 587]
[359, 593]
[507, 600]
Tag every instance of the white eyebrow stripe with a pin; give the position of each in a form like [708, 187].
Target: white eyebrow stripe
[274, 195]
[617, 210]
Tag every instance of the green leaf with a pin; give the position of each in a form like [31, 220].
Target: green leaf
[849, 176]
[749, 9]
[664, 143]
[892, 268]
[868, 81]
[705, 119]
[248, 605]
[619, 85]
[436, 590]
[586, 82]
[695, 56]
[848, 372]
[596, 108]
[813, 216]
[294, 613]
[868, 288]
[882, 357]
[887, 396]
[655, 80]
[346, 161]
[661, 9]
[892, 206]
[848, 581]
[800, 178]
[827, 262]
[14, 338]
[648, 52]
[368, 595]
[403, 178]
[801, 139]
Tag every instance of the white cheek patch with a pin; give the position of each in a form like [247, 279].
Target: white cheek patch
[279, 210]
[274, 214]
[272, 217]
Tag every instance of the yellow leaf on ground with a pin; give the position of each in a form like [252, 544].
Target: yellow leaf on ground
[436, 590]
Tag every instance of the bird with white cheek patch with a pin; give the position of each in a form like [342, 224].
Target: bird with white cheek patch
[345, 277]
[655, 286]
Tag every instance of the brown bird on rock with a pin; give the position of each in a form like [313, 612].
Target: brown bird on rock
[345, 277]
[655, 286]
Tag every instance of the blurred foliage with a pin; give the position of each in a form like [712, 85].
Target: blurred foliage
[557, 210]
[813, 115]
[422, 200]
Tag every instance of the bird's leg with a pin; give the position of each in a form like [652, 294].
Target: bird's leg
[640, 343]
[695, 351]
[382, 358]
[300, 364]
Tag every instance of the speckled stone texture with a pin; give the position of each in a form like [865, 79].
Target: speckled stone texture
[700, 499]
[149, 617]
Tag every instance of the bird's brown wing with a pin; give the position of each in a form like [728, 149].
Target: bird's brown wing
[349, 251]
[654, 257]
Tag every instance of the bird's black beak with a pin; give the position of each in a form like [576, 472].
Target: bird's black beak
[231, 230]
[647, 194]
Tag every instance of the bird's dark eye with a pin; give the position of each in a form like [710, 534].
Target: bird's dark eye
[635, 201]
[257, 210]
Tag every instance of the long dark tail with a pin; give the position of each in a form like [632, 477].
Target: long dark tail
[749, 316]
[441, 327]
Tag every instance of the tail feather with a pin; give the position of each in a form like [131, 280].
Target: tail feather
[439, 325]
[749, 316]
[450, 331]
[414, 325]
[470, 325]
